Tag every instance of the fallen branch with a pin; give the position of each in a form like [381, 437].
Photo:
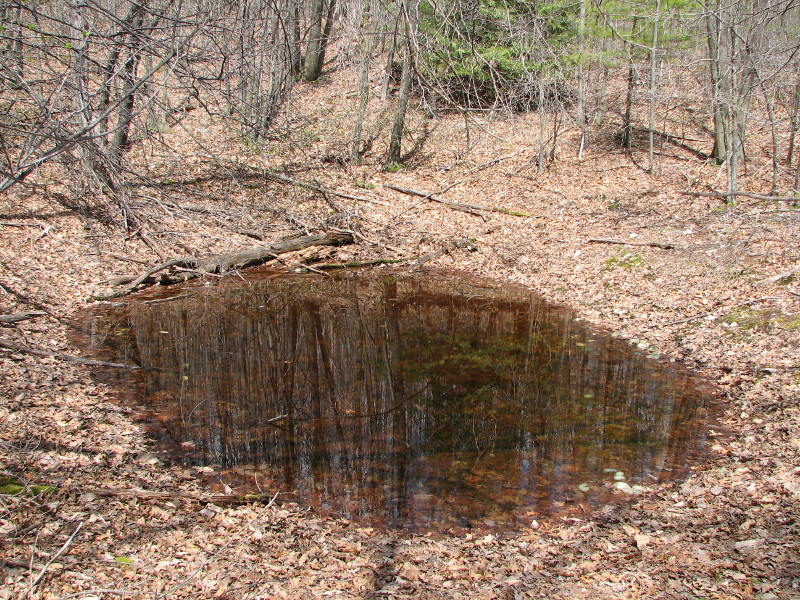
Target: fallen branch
[364, 263]
[662, 245]
[726, 195]
[679, 142]
[153, 495]
[420, 258]
[459, 243]
[318, 188]
[10, 224]
[68, 357]
[221, 264]
[21, 316]
[464, 207]
[711, 312]
[779, 276]
[63, 549]
[494, 161]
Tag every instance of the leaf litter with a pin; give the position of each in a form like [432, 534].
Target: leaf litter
[730, 530]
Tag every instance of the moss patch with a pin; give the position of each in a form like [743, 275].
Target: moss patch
[629, 260]
[750, 319]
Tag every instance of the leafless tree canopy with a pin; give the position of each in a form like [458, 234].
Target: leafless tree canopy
[84, 80]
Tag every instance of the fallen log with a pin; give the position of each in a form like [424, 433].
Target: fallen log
[192, 267]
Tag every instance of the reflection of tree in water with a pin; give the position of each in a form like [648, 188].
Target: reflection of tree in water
[418, 399]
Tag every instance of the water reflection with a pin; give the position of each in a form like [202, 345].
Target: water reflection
[421, 401]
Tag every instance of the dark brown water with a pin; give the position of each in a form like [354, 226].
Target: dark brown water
[422, 401]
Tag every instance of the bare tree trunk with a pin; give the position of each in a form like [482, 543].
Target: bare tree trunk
[793, 121]
[14, 46]
[653, 79]
[293, 35]
[119, 143]
[718, 85]
[315, 48]
[627, 125]
[396, 139]
[542, 127]
[387, 76]
[581, 78]
[363, 83]
[768, 104]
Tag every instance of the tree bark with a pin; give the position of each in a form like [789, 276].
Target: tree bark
[315, 48]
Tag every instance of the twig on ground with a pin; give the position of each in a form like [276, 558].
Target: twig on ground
[55, 556]
[10, 224]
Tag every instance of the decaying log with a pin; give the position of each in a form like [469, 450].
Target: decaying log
[464, 207]
[193, 267]
[662, 245]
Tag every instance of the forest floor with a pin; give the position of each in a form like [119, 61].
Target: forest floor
[731, 529]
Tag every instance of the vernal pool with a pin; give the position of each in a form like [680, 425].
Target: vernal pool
[425, 401]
